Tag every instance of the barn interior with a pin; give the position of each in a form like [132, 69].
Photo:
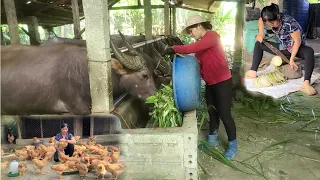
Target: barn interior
[276, 140]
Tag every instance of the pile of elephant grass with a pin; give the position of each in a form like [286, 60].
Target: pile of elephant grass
[163, 113]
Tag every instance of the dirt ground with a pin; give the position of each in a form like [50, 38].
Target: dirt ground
[291, 161]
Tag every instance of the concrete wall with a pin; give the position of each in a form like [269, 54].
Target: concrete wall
[159, 153]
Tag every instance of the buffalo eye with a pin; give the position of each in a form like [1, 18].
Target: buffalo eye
[145, 76]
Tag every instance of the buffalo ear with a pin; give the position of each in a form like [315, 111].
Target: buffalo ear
[118, 67]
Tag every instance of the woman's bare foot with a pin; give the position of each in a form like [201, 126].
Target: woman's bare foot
[251, 74]
[307, 89]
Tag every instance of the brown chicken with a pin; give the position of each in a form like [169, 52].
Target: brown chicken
[36, 140]
[115, 169]
[101, 170]
[39, 164]
[77, 138]
[83, 169]
[46, 149]
[114, 148]
[4, 164]
[22, 154]
[115, 156]
[91, 140]
[22, 167]
[60, 168]
[63, 157]
[34, 153]
[51, 140]
[10, 138]
[50, 155]
[62, 144]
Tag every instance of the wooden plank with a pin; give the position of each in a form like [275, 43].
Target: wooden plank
[136, 7]
[12, 21]
[76, 18]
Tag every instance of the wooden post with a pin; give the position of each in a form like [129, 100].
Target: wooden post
[11, 14]
[147, 19]
[237, 61]
[33, 30]
[98, 47]
[174, 21]
[76, 19]
[78, 126]
[41, 127]
[166, 18]
[19, 127]
[91, 125]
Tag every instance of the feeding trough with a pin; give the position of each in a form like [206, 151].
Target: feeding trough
[186, 82]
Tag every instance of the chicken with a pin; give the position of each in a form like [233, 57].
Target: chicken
[22, 154]
[115, 156]
[77, 138]
[101, 170]
[36, 140]
[50, 155]
[83, 169]
[22, 167]
[83, 142]
[34, 153]
[62, 144]
[115, 169]
[46, 149]
[114, 148]
[63, 157]
[10, 138]
[92, 140]
[51, 140]
[40, 164]
[4, 164]
[29, 147]
[60, 168]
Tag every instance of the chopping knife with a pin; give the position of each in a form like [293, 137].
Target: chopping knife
[276, 51]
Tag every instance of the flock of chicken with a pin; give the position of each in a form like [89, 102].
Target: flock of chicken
[87, 155]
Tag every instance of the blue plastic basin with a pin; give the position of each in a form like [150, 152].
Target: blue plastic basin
[186, 83]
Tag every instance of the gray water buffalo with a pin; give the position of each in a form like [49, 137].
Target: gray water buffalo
[162, 73]
[54, 79]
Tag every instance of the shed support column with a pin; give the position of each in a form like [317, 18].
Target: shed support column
[98, 46]
[147, 19]
[78, 126]
[76, 19]
[33, 30]
[11, 14]
[174, 21]
[237, 61]
[166, 18]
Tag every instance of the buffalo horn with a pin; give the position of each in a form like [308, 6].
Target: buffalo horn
[121, 58]
[128, 45]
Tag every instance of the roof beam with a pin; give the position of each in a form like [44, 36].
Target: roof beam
[135, 7]
[112, 2]
[48, 5]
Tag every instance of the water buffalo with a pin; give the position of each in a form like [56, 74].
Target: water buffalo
[162, 73]
[54, 79]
